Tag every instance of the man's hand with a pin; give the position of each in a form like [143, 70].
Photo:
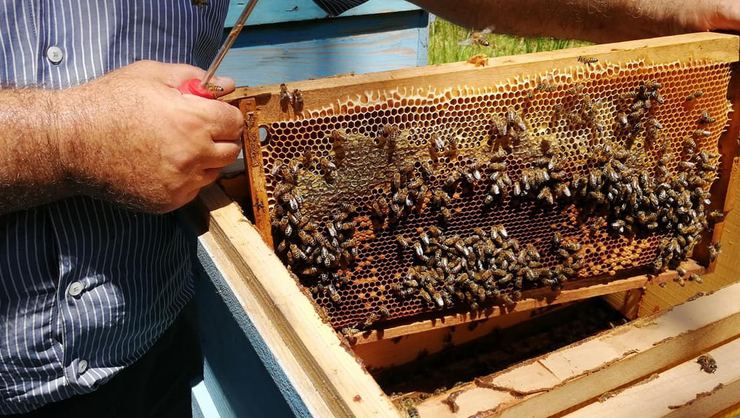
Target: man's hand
[590, 20]
[136, 140]
[708, 15]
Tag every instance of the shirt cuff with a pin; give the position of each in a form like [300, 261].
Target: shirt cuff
[337, 7]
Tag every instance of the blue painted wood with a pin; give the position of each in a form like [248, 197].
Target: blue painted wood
[202, 402]
[283, 53]
[241, 377]
[240, 373]
[276, 11]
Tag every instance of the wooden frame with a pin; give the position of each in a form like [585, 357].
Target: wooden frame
[262, 104]
[313, 356]
[324, 369]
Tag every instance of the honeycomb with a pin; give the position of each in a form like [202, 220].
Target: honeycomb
[466, 116]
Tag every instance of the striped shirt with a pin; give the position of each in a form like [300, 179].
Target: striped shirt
[86, 287]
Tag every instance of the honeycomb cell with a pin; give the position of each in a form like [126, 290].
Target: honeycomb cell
[465, 114]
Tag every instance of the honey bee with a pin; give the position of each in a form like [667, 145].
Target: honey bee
[346, 226]
[546, 84]
[305, 238]
[334, 294]
[499, 127]
[696, 278]
[412, 412]
[694, 95]
[337, 144]
[349, 334]
[545, 195]
[436, 145]
[327, 166]
[425, 170]
[380, 208]
[297, 100]
[702, 133]
[562, 190]
[479, 38]
[425, 296]
[287, 174]
[446, 214]
[297, 253]
[452, 179]
[714, 250]
[716, 216]
[516, 120]
[705, 118]
[370, 320]
[452, 150]
[588, 60]
[383, 312]
[517, 189]
[681, 271]
[285, 97]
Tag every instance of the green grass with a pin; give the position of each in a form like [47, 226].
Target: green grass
[445, 37]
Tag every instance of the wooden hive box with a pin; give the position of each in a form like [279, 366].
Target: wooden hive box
[329, 373]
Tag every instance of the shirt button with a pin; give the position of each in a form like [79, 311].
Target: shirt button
[81, 366]
[75, 288]
[54, 54]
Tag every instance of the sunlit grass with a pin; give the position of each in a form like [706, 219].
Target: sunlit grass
[445, 37]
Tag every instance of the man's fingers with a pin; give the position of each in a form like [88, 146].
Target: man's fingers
[222, 153]
[210, 175]
[173, 75]
[221, 120]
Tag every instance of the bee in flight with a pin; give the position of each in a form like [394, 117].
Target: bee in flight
[477, 38]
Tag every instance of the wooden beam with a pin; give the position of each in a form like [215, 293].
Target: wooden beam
[255, 170]
[389, 352]
[327, 375]
[698, 47]
[682, 391]
[584, 371]
[532, 299]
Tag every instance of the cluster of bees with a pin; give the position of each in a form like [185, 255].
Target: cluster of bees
[619, 188]
[312, 249]
[579, 109]
[483, 267]
[408, 192]
[293, 99]
[637, 113]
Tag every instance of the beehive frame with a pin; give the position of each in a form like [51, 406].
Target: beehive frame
[262, 106]
[317, 361]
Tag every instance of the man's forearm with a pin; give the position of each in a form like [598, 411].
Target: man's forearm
[32, 125]
[593, 20]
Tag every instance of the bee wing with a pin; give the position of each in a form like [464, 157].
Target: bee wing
[465, 42]
[486, 31]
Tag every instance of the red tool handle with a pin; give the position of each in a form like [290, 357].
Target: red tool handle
[194, 87]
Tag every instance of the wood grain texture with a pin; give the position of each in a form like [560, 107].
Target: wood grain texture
[389, 352]
[700, 47]
[531, 299]
[255, 171]
[324, 48]
[682, 391]
[582, 372]
[310, 352]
